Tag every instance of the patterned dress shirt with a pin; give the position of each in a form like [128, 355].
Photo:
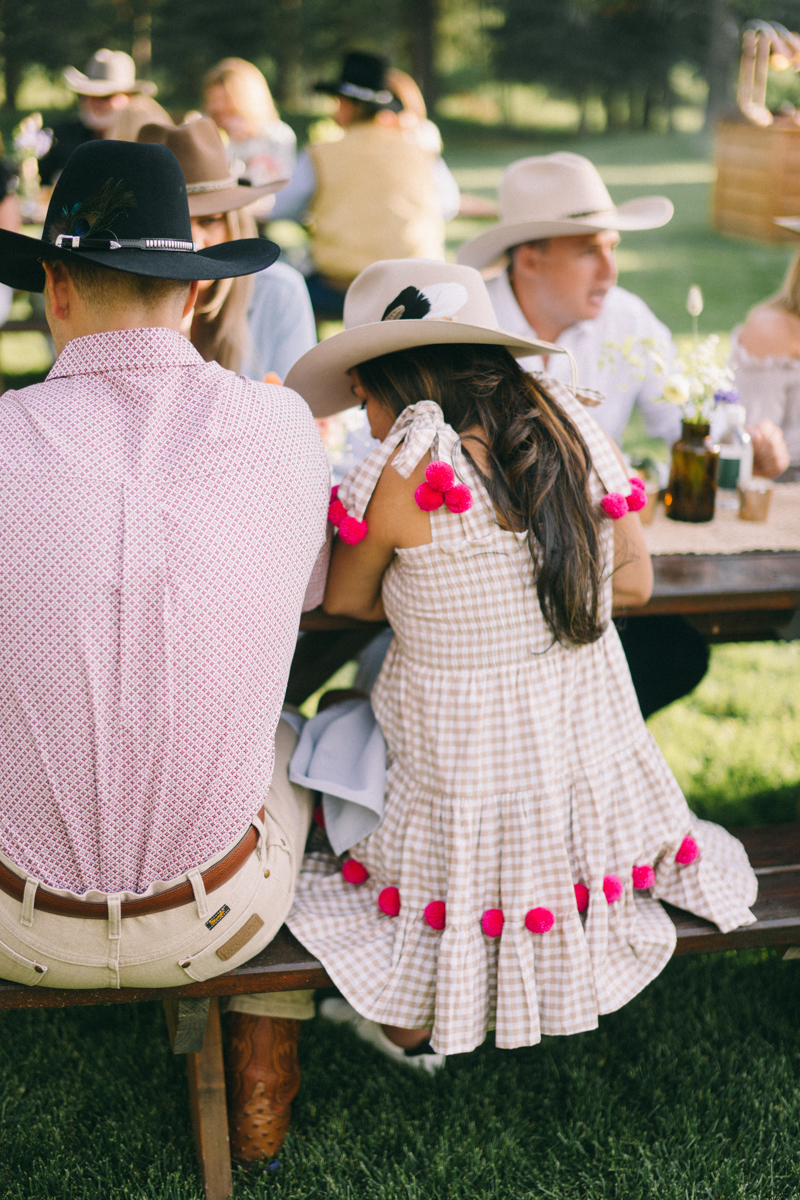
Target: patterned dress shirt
[160, 521]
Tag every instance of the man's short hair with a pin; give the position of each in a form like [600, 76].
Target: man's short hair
[536, 243]
[104, 285]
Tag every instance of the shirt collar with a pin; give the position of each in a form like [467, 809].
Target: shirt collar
[125, 350]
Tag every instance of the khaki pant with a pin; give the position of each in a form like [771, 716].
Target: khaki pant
[197, 941]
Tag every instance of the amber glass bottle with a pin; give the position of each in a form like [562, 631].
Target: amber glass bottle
[692, 487]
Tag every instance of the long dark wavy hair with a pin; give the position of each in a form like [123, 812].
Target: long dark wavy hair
[539, 479]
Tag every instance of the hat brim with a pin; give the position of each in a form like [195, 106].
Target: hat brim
[321, 378]
[21, 267]
[335, 89]
[647, 212]
[76, 81]
[205, 204]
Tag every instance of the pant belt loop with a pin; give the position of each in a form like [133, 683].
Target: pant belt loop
[199, 889]
[114, 905]
[261, 845]
[28, 901]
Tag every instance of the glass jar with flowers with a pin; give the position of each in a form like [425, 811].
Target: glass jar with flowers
[695, 380]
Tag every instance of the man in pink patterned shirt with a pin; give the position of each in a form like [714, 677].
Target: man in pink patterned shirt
[160, 519]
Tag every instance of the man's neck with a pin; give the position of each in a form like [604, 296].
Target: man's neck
[545, 323]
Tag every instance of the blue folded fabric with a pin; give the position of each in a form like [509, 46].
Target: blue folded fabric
[342, 753]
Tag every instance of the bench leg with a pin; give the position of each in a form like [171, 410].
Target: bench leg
[206, 1073]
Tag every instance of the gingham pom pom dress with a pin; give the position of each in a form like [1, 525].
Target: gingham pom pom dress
[517, 768]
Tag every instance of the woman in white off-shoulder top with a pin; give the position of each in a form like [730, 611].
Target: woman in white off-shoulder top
[765, 354]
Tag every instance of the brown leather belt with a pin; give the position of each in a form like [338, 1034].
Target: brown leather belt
[174, 897]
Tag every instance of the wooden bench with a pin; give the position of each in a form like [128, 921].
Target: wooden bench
[193, 1011]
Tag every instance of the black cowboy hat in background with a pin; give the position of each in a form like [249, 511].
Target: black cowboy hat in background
[363, 78]
[111, 194]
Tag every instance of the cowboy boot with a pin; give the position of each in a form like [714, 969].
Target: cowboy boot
[262, 1080]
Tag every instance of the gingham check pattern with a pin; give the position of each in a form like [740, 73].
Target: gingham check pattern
[517, 768]
[160, 518]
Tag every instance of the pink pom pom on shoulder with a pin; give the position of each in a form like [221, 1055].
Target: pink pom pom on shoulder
[637, 500]
[336, 512]
[614, 505]
[492, 922]
[687, 852]
[428, 498]
[458, 498]
[440, 476]
[334, 492]
[389, 901]
[636, 482]
[581, 897]
[613, 888]
[319, 816]
[352, 531]
[435, 914]
[643, 877]
[539, 920]
[354, 872]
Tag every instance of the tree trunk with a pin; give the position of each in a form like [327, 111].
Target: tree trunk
[721, 64]
[420, 20]
[12, 78]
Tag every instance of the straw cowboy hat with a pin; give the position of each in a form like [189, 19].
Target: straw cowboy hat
[556, 195]
[108, 73]
[394, 305]
[199, 149]
[123, 205]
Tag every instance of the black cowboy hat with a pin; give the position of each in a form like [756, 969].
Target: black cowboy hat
[363, 78]
[123, 205]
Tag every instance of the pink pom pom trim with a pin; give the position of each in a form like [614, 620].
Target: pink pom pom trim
[581, 897]
[614, 505]
[389, 901]
[435, 914]
[334, 492]
[637, 500]
[492, 922]
[354, 872]
[539, 920]
[440, 476]
[636, 482]
[352, 531]
[319, 816]
[687, 852]
[458, 498]
[643, 877]
[336, 512]
[612, 888]
[428, 498]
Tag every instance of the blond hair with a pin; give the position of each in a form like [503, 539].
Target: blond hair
[219, 329]
[246, 89]
[788, 298]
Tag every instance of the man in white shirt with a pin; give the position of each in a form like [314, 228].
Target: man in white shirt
[554, 248]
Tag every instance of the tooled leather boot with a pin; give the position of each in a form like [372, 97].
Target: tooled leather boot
[262, 1080]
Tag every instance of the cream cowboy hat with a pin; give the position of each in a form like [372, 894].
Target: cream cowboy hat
[556, 195]
[108, 73]
[394, 305]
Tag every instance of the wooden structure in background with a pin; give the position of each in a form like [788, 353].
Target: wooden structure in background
[758, 179]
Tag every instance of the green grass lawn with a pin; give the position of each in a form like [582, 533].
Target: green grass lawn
[690, 1092]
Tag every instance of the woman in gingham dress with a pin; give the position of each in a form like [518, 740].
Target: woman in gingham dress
[531, 824]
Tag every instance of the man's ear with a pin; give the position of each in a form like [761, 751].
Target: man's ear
[191, 297]
[56, 288]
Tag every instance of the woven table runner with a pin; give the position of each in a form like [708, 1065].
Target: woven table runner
[726, 534]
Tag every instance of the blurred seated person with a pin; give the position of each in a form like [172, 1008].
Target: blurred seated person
[374, 194]
[554, 268]
[555, 277]
[113, 103]
[237, 98]
[257, 325]
[765, 354]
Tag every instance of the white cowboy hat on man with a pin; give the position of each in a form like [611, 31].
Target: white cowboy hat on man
[394, 305]
[108, 73]
[556, 195]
